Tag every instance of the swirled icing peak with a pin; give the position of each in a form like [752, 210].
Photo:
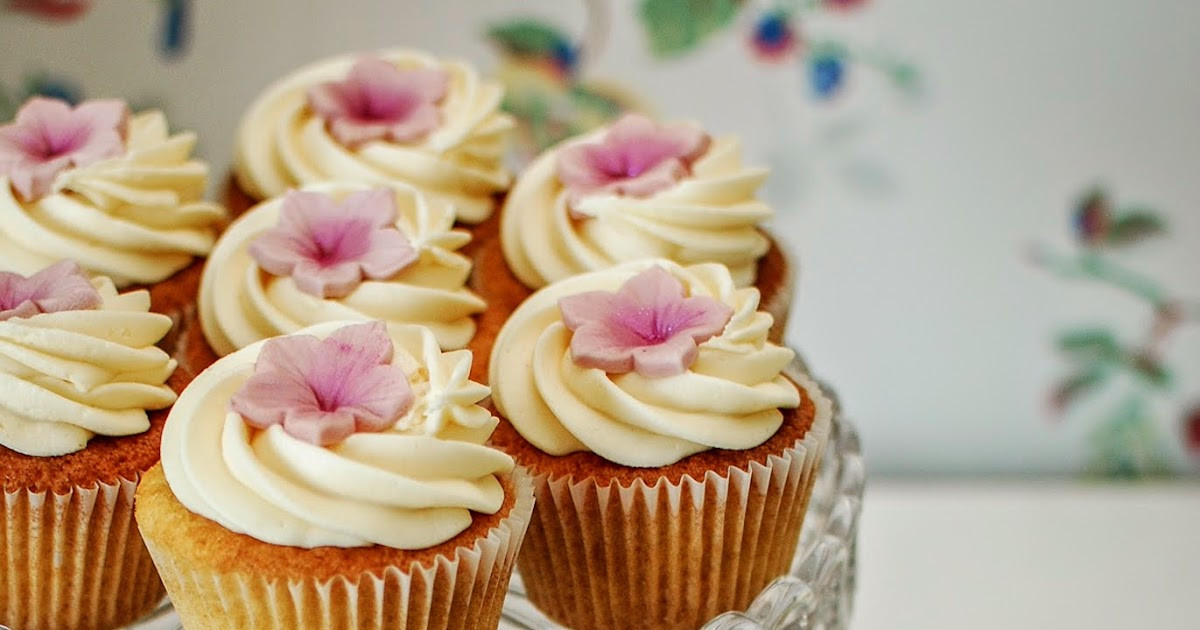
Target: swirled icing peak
[635, 157]
[77, 360]
[378, 101]
[242, 300]
[59, 287]
[323, 390]
[647, 326]
[49, 136]
[431, 123]
[328, 248]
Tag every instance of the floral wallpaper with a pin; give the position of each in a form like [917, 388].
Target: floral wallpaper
[544, 67]
[1128, 365]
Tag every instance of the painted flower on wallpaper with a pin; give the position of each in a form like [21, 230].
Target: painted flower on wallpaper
[545, 90]
[1126, 440]
[58, 10]
[777, 35]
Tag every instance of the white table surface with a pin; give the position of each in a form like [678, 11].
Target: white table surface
[1017, 555]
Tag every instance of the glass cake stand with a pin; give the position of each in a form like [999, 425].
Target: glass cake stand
[816, 594]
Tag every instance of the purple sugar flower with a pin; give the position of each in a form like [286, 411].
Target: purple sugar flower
[378, 101]
[49, 136]
[323, 390]
[648, 326]
[636, 157]
[329, 248]
[59, 287]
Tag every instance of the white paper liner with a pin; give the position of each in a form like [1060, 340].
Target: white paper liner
[75, 560]
[466, 591]
[669, 555]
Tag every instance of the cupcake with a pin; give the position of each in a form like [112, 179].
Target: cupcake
[82, 412]
[669, 453]
[335, 478]
[389, 116]
[117, 193]
[337, 251]
[632, 191]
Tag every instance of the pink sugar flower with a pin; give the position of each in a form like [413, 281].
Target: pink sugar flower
[329, 248]
[324, 390]
[59, 287]
[636, 157]
[648, 326]
[378, 101]
[49, 136]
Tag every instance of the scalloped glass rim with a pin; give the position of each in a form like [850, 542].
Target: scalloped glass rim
[816, 594]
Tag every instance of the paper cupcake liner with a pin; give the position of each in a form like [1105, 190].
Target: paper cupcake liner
[669, 555]
[75, 560]
[464, 591]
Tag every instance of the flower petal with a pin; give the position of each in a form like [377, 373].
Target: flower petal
[267, 397]
[671, 357]
[327, 281]
[277, 251]
[390, 253]
[377, 206]
[594, 346]
[585, 308]
[322, 428]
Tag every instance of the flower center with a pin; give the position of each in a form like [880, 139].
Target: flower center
[49, 146]
[385, 107]
[339, 242]
[648, 324]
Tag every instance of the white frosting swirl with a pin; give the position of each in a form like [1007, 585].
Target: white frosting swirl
[410, 487]
[710, 216]
[137, 218]
[281, 144]
[70, 375]
[730, 398]
[240, 303]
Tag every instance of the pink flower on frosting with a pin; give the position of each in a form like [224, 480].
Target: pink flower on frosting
[379, 101]
[329, 248]
[59, 287]
[636, 157]
[323, 390]
[49, 136]
[648, 326]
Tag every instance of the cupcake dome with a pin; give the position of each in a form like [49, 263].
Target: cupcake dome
[427, 122]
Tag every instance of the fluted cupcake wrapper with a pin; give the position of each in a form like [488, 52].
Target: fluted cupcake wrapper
[74, 560]
[669, 555]
[464, 591]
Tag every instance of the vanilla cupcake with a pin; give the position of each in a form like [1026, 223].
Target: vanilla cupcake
[377, 118]
[334, 252]
[634, 190]
[335, 478]
[669, 453]
[84, 396]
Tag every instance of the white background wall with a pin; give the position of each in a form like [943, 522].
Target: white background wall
[915, 299]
